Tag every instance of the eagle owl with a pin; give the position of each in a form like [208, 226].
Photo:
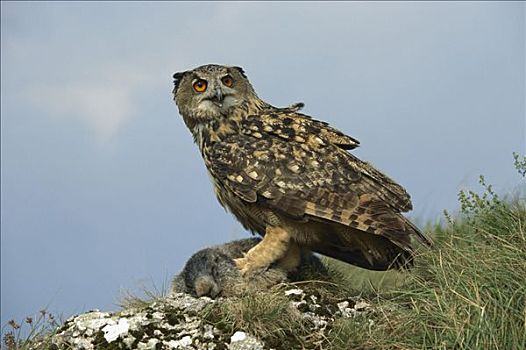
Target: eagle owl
[291, 179]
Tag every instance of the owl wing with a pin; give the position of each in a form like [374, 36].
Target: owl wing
[299, 167]
[287, 123]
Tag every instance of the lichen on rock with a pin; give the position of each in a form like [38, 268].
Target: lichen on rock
[176, 322]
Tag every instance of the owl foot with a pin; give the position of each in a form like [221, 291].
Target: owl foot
[247, 267]
[272, 248]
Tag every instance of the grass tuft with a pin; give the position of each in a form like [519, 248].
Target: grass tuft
[267, 316]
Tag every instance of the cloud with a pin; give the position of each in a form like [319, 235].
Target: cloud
[103, 108]
[103, 105]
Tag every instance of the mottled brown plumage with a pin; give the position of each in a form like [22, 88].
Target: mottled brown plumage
[291, 178]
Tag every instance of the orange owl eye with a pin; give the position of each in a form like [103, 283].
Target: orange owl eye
[228, 81]
[200, 85]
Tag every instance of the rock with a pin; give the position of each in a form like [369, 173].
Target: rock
[113, 331]
[361, 305]
[243, 341]
[294, 292]
[171, 323]
[176, 322]
[184, 342]
[238, 336]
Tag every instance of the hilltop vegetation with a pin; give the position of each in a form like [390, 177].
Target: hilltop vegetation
[467, 292]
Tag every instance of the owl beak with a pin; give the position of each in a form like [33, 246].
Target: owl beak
[219, 96]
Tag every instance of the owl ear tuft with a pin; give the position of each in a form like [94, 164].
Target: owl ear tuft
[240, 70]
[177, 80]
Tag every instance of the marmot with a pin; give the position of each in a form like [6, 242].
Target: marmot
[212, 271]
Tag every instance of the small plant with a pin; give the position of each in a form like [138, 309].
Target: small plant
[150, 293]
[40, 326]
[472, 203]
[520, 163]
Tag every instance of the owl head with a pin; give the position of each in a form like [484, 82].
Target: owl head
[210, 91]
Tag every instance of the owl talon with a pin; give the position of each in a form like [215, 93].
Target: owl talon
[243, 265]
[240, 262]
[246, 266]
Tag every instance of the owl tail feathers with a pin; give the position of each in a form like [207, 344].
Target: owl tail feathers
[379, 252]
[385, 258]
[419, 235]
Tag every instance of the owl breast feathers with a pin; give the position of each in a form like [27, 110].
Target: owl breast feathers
[291, 178]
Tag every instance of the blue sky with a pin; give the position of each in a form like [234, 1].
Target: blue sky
[102, 188]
